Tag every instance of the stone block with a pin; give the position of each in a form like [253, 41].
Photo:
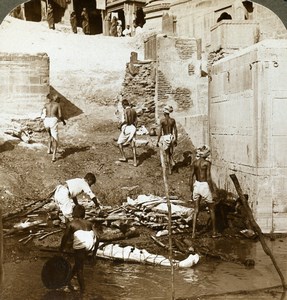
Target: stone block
[223, 37]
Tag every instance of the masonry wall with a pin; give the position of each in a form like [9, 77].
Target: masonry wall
[180, 84]
[248, 129]
[195, 18]
[139, 88]
[24, 83]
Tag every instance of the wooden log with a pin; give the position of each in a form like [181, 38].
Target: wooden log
[234, 293]
[159, 243]
[1, 248]
[256, 228]
[48, 234]
[162, 160]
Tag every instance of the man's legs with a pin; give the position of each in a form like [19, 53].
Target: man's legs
[55, 147]
[123, 158]
[78, 268]
[195, 215]
[134, 153]
[49, 141]
[212, 217]
[167, 155]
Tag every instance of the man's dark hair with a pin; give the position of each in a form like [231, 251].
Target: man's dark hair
[125, 103]
[79, 211]
[91, 178]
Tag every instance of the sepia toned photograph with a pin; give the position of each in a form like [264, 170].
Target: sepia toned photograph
[142, 149]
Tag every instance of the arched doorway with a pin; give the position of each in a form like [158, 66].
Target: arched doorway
[224, 16]
[33, 11]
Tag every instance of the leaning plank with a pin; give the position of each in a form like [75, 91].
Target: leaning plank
[1, 248]
[256, 228]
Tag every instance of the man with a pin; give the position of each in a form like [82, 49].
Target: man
[73, 21]
[167, 137]
[128, 131]
[119, 28]
[66, 194]
[127, 31]
[50, 17]
[85, 21]
[83, 234]
[52, 114]
[202, 186]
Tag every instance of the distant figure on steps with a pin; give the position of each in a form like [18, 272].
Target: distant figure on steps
[85, 21]
[50, 17]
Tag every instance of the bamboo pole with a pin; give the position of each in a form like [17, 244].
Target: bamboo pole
[256, 228]
[1, 248]
[169, 221]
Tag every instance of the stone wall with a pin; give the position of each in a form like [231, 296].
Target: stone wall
[194, 19]
[248, 128]
[139, 88]
[180, 84]
[24, 83]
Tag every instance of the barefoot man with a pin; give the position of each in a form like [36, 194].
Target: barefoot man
[128, 131]
[167, 138]
[52, 114]
[202, 187]
[84, 236]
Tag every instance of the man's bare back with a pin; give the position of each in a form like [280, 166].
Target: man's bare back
[53, 109]
[168, 125]
[201, 169]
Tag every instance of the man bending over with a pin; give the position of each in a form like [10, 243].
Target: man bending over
[66, 194]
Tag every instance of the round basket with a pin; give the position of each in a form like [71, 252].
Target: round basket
[55, 272]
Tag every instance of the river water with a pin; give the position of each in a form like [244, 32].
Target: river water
[113, 280]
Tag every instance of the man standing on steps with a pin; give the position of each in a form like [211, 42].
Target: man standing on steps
[52, 114]
[201, 186]
[50, 17]
[167, 137]
[85, 21]
[128, 131]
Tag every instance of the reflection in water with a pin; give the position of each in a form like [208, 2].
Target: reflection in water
[112, 281]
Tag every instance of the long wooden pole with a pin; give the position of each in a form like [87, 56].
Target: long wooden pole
[256, 228]
[1, 248]
[169, 221]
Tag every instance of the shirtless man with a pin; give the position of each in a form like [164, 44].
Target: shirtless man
[84, 236]
[167, 137]
[202, 187]
[52, 114]
[128, 131]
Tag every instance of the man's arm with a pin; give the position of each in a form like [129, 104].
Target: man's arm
[67, 235]
[191, 178]
[208, 176]
[60, 116]
[96, 201]
[175, 133]
[159, 133]
[75, 200]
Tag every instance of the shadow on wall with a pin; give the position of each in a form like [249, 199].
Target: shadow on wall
[69, 109]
